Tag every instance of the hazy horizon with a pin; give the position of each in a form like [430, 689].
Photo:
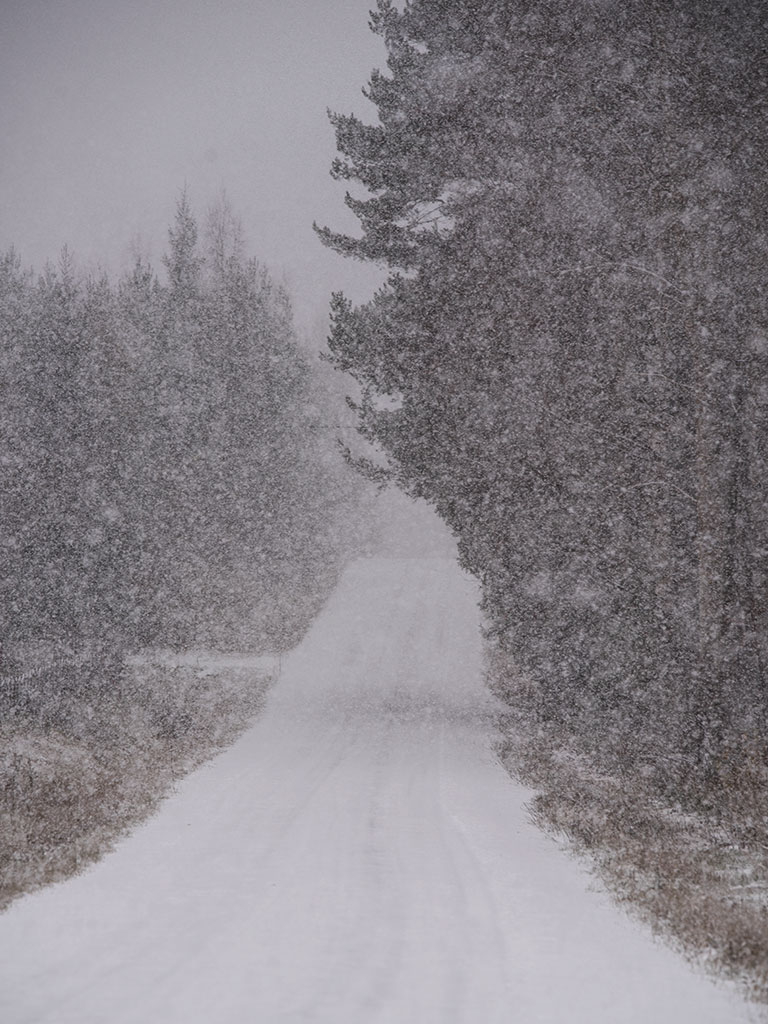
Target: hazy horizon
[111, 109]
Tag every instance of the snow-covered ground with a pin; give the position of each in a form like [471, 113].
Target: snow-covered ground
[358, 856]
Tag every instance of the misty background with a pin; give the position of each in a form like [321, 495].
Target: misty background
[111, 108]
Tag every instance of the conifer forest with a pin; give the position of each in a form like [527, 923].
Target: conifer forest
[569, 358]
[211, 537]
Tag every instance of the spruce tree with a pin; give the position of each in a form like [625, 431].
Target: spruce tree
[564, 360]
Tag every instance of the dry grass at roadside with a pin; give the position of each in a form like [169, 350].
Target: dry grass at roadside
[77, 773]
[700, 881]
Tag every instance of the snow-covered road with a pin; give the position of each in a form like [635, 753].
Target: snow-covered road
[358, 856]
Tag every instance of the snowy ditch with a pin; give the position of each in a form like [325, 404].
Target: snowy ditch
[699, 880]
[88, 748]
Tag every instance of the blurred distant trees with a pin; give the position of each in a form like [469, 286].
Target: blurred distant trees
[570, 358]
[163, 479]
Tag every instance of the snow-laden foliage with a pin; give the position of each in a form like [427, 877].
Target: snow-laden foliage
[163, 476]
[573, 347]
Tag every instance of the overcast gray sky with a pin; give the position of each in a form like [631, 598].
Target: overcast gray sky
[110, 106]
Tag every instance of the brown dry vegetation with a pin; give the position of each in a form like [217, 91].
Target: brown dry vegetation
[76, 773]
[698, 878]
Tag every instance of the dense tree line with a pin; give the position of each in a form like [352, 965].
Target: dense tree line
[569, 358]
[163, 480]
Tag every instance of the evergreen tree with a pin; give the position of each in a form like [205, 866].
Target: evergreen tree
[161, 476]
[564, 361]
[183, 261]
